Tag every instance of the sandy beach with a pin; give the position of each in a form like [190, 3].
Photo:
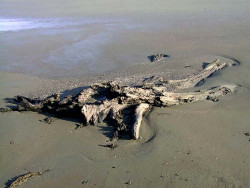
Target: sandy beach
[61, 46]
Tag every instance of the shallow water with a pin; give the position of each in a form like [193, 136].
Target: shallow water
[17, 24]
[54, 47]
[57, 47]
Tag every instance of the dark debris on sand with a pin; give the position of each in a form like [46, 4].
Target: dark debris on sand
[157, 57]
[48, 120]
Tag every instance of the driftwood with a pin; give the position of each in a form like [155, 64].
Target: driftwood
[123, 106]
[19, 180]
[157, 57]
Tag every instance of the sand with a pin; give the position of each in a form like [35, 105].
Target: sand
[61, 45]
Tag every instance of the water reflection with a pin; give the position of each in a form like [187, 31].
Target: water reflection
[25, 24]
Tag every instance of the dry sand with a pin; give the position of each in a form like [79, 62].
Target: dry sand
[70, 45]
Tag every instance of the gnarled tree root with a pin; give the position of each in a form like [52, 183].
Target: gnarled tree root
[123, 107]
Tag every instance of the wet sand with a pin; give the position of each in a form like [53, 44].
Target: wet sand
[194, 145]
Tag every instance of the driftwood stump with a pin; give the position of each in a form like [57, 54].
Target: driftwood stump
[123, 106]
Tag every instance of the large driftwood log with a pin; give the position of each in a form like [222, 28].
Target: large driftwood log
[123, 106]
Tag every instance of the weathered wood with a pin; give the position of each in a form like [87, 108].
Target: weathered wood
[19, 180]
[140, 109]
[157, 57]
[124, 106]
